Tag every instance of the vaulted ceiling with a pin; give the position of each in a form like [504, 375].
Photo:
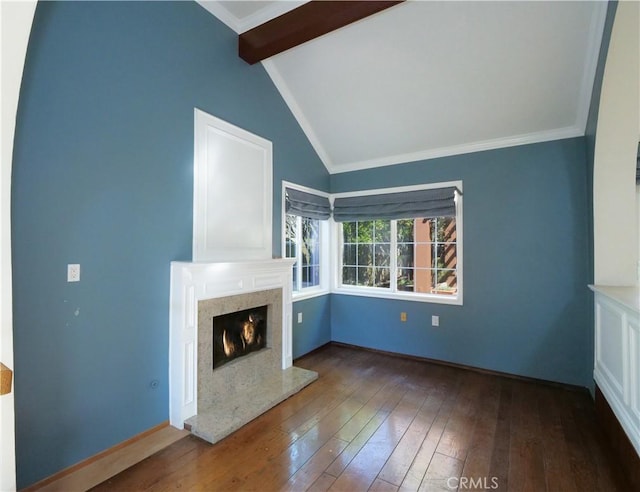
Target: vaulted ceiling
[426, 79]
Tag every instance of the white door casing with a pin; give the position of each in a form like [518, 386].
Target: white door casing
[16, 19]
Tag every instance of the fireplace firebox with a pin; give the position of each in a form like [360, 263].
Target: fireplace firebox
[238, 334]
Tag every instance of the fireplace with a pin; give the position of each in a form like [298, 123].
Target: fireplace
[238, 334]
[232, 271]
[211, 396]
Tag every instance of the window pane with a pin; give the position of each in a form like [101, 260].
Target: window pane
[365, 231]
[349, 275]
[382, 231]
[447, 256]
[290, 236]
[423, 230]
[383, 254]
[349, 254]
[447, 281]
[365, 254]
[310, 251]
[405, 255]
[405, 279]
[290, 249]
[311, 254]
[310, 276]
[315, 255]
[349, 232]
[424, 280]
[424, 256]
[311, 240]
[382, 277]
[405, 231]
[445, 230]
[365, 276]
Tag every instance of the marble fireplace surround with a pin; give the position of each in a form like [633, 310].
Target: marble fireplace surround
[213, 404]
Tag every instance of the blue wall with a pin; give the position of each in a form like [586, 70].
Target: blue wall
[315, 329]
[526, 267]
[102, 176]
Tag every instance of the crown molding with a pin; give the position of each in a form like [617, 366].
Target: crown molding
[466, 148]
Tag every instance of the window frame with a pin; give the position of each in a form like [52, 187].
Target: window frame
[325, 248]
[392, 292]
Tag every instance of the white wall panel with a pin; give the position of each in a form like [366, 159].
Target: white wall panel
[617, 355]
[232, 192]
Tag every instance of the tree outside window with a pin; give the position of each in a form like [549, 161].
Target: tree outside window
[302, 238]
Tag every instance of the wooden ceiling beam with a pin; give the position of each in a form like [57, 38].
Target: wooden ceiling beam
[307, 22]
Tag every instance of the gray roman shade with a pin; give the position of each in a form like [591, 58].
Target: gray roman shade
[307, 204]
[437, 202]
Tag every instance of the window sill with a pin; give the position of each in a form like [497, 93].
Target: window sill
[403, 296]
[309, 293]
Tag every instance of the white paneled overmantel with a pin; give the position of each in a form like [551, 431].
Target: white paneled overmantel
[232, 192]
[617, 354]
[193, 282]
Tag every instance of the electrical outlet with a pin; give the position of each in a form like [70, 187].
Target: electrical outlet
[73, 272]
[403, 317]
[435, 320]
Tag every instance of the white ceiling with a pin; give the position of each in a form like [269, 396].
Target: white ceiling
[426, 79]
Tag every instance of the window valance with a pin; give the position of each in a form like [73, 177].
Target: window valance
[436, 202]
[308, 205]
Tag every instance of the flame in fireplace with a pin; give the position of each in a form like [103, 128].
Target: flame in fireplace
[248, 339]
[230, 347]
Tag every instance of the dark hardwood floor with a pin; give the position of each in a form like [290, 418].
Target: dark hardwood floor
[376, 422]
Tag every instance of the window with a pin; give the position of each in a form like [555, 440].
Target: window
[366, 253]
[426, 252]
[411, 258]
[305, 238]
[302, 242]
[398, 243]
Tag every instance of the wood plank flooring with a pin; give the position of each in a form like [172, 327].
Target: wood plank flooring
[381, 423]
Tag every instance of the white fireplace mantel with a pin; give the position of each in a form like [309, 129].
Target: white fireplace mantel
[193, 282]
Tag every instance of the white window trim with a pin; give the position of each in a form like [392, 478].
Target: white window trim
[325, 248]
[336, 252]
